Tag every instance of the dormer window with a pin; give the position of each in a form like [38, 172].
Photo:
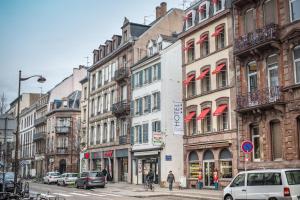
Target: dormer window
[160, 46]
[125, 35]
[203, 10]
[189, 19]
[150, 51]
[219, 5]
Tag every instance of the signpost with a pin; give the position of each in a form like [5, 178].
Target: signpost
[247, 148]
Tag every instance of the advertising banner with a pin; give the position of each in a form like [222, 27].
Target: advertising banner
[178, 118]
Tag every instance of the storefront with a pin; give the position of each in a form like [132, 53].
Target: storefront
[96, 160]
[109, 164]
[39, 164]
[122, 159]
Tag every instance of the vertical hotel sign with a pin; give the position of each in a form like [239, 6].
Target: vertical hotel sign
[178, 118]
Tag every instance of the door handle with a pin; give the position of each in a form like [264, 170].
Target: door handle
[244, 190]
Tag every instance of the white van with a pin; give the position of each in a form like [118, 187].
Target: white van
[270, 184]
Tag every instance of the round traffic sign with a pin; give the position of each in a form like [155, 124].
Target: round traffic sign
[247, 146]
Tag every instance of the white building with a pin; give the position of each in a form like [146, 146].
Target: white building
[156, 86]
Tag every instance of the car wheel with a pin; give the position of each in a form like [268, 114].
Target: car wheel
[57, 183]
[102, 186]
[228, 197]
[272, 198]
[76, 185]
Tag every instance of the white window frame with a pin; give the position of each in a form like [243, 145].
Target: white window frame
[270, 67]
[296, 60]
[193, 12]
[207, 3]
[291, 17]
[251, 74]
[223, 8]
[252, 140]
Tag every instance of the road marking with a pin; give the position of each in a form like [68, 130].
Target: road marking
[84, 195]
[64, 195]
[115, 195]
[99, 195]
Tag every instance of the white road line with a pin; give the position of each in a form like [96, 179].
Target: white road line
[64, 195]
[84, 195]
[115, 195]
[99, 195]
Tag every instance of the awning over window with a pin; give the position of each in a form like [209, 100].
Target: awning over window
[202, 9]
[220, 110]
[217, 32]
[188, 47]
[189, 79]
[188, 16]
[189, 117]
[203, 74]
[215, 1]
[202, 39]
[203, 114]
[218, 68]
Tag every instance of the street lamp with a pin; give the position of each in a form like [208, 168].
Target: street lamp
[40, 79]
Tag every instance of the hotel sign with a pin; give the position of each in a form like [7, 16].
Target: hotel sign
[178, 118]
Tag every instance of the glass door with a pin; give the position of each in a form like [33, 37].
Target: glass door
[273, 82]
[252, 84]
[209, 167]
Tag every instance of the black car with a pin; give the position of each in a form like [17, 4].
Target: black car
[8, 181]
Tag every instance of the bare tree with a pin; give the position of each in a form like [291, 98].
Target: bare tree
[2, 104]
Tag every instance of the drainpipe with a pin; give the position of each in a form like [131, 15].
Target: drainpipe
[88, 119]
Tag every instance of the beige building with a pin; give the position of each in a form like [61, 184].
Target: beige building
[209, 94]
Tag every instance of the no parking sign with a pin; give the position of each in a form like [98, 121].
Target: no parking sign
[247, 146]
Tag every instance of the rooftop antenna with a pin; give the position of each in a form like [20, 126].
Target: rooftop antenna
[41, 91]
[184, 2]
[87, 61]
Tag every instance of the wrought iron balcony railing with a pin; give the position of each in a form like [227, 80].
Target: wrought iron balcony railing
[121, 73]
[39, 136]
[63, 129]
[259, 98]
[257, 38]
[62, 150]
[121, 108]
[40, 120]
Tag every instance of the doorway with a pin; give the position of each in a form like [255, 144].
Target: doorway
[209, 167]
[153, 165]
[62, 166]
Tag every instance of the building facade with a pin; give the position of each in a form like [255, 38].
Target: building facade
[267, 53]
[210, 141]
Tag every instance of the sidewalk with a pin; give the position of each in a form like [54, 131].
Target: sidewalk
[138, 191]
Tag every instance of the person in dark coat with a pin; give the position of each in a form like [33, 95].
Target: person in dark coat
[171, 180]
[104, 172]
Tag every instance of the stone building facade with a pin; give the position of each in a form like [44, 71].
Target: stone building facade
[210, 141]
[267, 54]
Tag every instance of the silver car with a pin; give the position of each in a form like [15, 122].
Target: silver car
[67, 178]
[90, 179]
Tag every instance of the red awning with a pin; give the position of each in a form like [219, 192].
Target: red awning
[202, 39]
[202, 9]
[187, 47]
[203, 114]
[218, 68]
[220, 109]
[217, 32]
[203, 74]
[189, 79]
[189, 117]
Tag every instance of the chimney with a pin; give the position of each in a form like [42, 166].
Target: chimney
[163, 8]
[158, 15]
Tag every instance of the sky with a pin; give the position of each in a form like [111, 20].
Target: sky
[51, 37]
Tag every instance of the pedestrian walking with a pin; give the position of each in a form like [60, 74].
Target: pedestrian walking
[171, 180]
[104, 172]
[216, 179]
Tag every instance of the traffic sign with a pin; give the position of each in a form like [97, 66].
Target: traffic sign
[247, 146]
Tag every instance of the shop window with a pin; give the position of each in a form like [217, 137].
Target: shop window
[194, 166]
[249, 21]
[256, 142]
[297, 63]
[294, 10]
[225, 164]
[276, 140]
[269, 9]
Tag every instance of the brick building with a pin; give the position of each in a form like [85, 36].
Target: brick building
[267, 54]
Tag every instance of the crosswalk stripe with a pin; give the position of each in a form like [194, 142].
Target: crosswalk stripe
[64, 195]
[99, 195]
[84, 195]
[115, 195]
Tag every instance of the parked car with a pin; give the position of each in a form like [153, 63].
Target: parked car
[67, 178]
[51, 177]
[90, 179]
[270, 184]
[8, 181]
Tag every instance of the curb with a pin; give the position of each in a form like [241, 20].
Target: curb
[177, 195]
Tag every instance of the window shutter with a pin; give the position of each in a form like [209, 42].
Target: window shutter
[141, 106]
[140, 134]
[132, 108]
[132, 81]
[145, 133]
[132, 136]
[141, 78]
[158, 71]
[149, 103]
[153, 126]
[150, 74]
[158, 126]
[158, 100]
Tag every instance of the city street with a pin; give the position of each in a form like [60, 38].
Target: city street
[106, 193]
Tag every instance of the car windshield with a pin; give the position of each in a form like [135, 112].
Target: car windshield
[72, 175]
[95, 174]
[9, 175]
[293, 177]
[54, 174]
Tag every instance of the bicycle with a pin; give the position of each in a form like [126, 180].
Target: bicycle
[149, 185]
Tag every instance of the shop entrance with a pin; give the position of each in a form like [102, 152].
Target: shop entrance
[209, 167]
[123, 169]
[148, 164]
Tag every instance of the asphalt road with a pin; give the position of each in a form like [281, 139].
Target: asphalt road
[70, 193]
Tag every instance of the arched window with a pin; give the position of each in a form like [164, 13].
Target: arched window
[208, 155]
[205, 79]
[204, 44]
[297, 63]
[269, 8]
[191, 85]
[219, 34]
[221, 74]
[194, 165]
[222, 113]
[205, 117]
[225, 164]
[190, 51]
[275, 130]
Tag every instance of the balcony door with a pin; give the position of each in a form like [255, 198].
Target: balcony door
[273, 81]
[252, 83]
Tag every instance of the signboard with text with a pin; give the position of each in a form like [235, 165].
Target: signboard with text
[157, 138]
[178, 118]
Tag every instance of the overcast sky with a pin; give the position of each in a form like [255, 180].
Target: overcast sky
[51, 37]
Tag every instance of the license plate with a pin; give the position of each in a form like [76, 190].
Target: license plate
[96, 181]
[10, 185]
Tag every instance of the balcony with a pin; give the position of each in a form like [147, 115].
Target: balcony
[260, 40]
[62, 129]
[123, 139]
[62, 150]
[39, 121]
[242, 3]
[39, 136]
[121, 108]
[121, 74]
[263, 99]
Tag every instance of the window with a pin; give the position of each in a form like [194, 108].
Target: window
[138, 106]
[93, 108]
[99, 78]
[85, 93]
[151, 51]
[112, 131]
[145, 133]
[221, 71]
[206, 122]
[252, 76]
[147, 75]
[156, 126]
[98, 136]
[191, 52]
[189, 19]
[276, 140]
[225, 164]
[203, 9]
[191, 88]
[257, 179]
[92, 136]
[125, 35]
[220, 38]
[239, 181]
[293, 177]
[194, 165]
[205, 82]
[138, 134]
[192, 126]
[112, 97]
[156, 101]
[123, 127]
[204, 45]
[294, 9]
[219, 5]
[93, 82]
[269, 12]
[147, 104]
[105, 103]
[156, 72]
[249, 22]
[273, 81]
[160, 46]
[104, 137]
[256, 142]
[297, 63]
[124, 92]
[222, 117]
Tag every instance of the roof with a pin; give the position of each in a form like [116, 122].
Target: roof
[137, 29]
[168, 38]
